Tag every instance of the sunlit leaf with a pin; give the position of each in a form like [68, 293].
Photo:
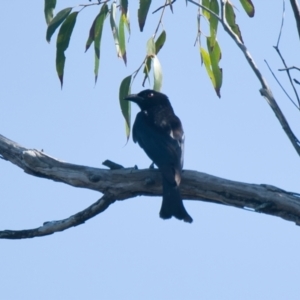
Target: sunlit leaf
[49, 7]
[151, 47]
[98, 28]
[114, 28]
[56, 21]
[230, 18]
[62, 43]
[205, 13]
[158, 45]
[125, 105]
[248, 7]
[157, 72]
[211, 62]
[142, 12]
[206, 60]
[122, 39]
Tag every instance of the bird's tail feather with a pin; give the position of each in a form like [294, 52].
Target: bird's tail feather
[172, 205]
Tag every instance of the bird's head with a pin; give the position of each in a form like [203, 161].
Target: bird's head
[148, 98]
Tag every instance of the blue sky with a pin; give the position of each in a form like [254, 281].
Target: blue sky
[128, 252]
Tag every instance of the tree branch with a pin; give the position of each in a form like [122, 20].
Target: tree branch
[61, 225]
[296, 10]
[124, 183]
[265, 89]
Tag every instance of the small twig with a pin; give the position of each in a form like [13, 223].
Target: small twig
[296, 81]
[205, 8]
[163, 6]
[160, 19]
[112, 165]
[282, 21]
[289, 68]
[282, 59]
[280, 84]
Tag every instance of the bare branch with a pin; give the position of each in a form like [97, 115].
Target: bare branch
[281, 85]
[282, 59]
[121, 184]
[289, 68]
[265, 89]
[54, 226]
[296, 10]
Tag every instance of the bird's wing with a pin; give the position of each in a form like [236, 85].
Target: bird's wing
[163, 145]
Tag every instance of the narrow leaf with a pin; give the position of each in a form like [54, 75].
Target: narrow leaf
[213, 21]
[151, 47]
[125, 13]
[91, 37]
[62, 43]
[125, 105]
[206, 60]
[114, 28]
[230, 18]
[124, 6]
[157, 72]
[142, 12]
[122, 39]
[56, 21]
[160, 41]
[248, 7]
[48, 10]
[98, 28]
[205, 13]
[215, 56]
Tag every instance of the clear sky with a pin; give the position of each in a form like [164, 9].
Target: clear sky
[128, 252]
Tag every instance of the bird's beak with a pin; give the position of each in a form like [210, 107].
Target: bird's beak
[133, 98]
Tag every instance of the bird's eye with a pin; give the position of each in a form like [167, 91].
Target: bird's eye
[150, 95]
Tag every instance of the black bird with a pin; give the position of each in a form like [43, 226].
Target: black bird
[159, 132]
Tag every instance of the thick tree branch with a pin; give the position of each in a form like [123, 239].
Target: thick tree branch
[124, 183]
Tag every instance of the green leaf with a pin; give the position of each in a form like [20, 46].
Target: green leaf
[124, 6]
[114, 28]
[215, 56]
[125, 105]
[122, 39]
[213, 21]
[98, 28]
[142, 12]
[248, 7]
[211, 62]
[157, 72]
[230, 18]
[48, 10]
[206, 60]
[151, 47]
[205, 13]
[62, 43]
[160, 41]
[56, 21]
